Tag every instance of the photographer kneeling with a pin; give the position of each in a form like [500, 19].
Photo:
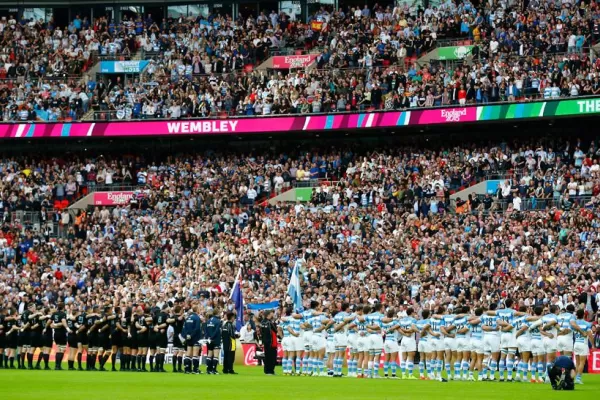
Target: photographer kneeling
[562, 373]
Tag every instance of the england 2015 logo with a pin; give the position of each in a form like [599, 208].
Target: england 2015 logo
[454, 115]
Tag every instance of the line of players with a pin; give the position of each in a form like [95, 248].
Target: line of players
[101, 334]
[485, 341]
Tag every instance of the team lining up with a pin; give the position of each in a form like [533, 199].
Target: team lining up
[485, 341]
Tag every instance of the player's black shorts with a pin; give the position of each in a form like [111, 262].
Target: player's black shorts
[134, 342]
[162, 342]
[23, 339]
[176, 341]
[47, 338]
[36, 339]
[142, 340]
[12, 341]
[152, 339]
[93, 339]
[72, 340]
[2, 341]
[60, 337]
[214, 345]
[82, 337]
[116, 339]
[103, 340]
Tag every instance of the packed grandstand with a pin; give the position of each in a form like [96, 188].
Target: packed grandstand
[361, 59]
[405, 225]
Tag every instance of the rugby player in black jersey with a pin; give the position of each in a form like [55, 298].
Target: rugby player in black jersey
[131, 314]
[60, 327]
[12, 332]
[72, 337]
[176, 320]
[36, 320]
[161, 341]
[92, 325]
[126, 353]
[116, 337]
[104, 336]
[24, 338]
[141, 327]
[82, 337]
[46, 321]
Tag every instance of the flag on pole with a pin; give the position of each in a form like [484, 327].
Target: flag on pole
[238, 299]
[294, 289]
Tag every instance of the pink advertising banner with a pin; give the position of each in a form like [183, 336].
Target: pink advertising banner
[303, 122]
[112, 198]
[296, 61]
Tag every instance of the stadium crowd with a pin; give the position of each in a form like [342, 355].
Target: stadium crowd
[379, 229]
[366, 60]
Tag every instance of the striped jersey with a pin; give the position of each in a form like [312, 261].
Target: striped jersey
[491, 321]
[564, 321]
[535, 333]
[436, 324]
[407, 323]
[585, 327]
[475, 329]
[448, 321]
[459, 324]
[361, 324]
[285, 323]
[548, 318]
[519, 323]
[387, 327]
[421, 324]
[339, 318]
[507, 315]
[306, 316]
[317, 321]
[375, 319]
[351, 331]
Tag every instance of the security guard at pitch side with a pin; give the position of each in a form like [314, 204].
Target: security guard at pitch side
[228, 337]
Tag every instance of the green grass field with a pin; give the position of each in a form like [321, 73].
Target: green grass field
[252, 384]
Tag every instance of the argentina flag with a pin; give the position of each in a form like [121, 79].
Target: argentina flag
[294, 289]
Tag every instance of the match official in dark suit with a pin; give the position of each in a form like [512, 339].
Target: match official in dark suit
[268, 334]
[228, 337]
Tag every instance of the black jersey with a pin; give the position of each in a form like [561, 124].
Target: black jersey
[8, 324]
[141, 321]
[57, 318]
[25, 319]
[90, 321]
[160, 319]
[3, 329]
[178, 324]
[71, 323]
[81, 320]
[39, 321]
[113, 324]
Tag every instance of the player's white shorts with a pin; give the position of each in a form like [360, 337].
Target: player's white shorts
[537, 347]
[408, 344]
[317, 342]
[340, 339]
[581, 349]
[288, 344]
[299, 344]
[491, 343]
[307, 338]
[436, 344]
[508, 340]
[390, 346]
[463, 344]
[352, 342]
[450, 344]
[523, 344]
[476, 345]
[376, 342]
[424, 346]
[550, 345]
[565, 343]
[330, 347]
[363, 344]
